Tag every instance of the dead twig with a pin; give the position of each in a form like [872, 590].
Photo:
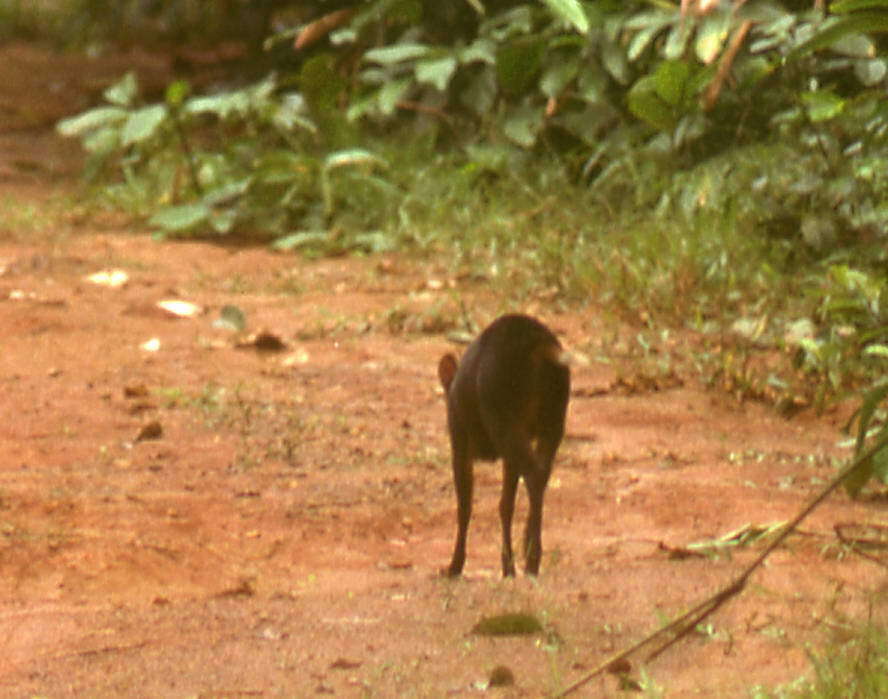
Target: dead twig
[319, 28]
[863, 538]
[724, 66]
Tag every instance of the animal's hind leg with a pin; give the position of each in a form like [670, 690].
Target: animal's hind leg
[506, 510]
[462, 482]
[536, 480]
[518, 462]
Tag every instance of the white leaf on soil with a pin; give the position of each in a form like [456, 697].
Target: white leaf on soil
[180, 309]
[113, 278]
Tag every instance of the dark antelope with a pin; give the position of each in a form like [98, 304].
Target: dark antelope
[506, 399]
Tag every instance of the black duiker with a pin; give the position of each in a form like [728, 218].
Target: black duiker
[506, 399]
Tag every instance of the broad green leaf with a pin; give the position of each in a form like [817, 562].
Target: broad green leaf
[352, 156]
[855, 46]
[102, 141]
[436, 72]
[374, 75]
[222, 105]
[690, 127]
[571, 12]
[388, 55]
[864, 416]
[865, 413]
[876, 351]
[647, 105]
[558, 75]
[227, 193]
[822, 105]
[142, 124]
[181, 218]
[671, 81]
[368, 104]
[711, 35]
[480, 50]
[91, 120]
[518, 64]
[678, 40]
[321, 87]
[390, 94]
[614, 59]
[262, 90]
[343, 36]
[643, 38]
[523, 124]
[506, 25]
[176, 93]
[770, 16]
[654, 18]
[288, 119]
[870, 72]
[300, 239]
[123, 92]
[869, 22]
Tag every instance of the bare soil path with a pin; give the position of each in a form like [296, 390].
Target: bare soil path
[283, 533]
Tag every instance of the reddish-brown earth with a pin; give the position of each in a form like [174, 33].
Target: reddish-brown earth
[283, 535]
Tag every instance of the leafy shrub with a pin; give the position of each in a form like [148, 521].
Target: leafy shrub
[237, 162]
[724, 168]
[729, 108]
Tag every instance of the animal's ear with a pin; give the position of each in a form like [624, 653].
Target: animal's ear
[447, 370]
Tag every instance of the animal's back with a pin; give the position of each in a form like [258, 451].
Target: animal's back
[521, 379]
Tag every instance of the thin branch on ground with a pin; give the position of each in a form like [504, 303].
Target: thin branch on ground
[687, 622]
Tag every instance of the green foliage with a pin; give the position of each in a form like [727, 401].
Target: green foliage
[636, 98]
[872, 429]
[823, 182]
[724, 170]
[665, 97]
[853, 665]
[503, 78]
[240, 162]
[537, 69]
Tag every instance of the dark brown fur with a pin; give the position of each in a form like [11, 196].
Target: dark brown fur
[506, 398]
